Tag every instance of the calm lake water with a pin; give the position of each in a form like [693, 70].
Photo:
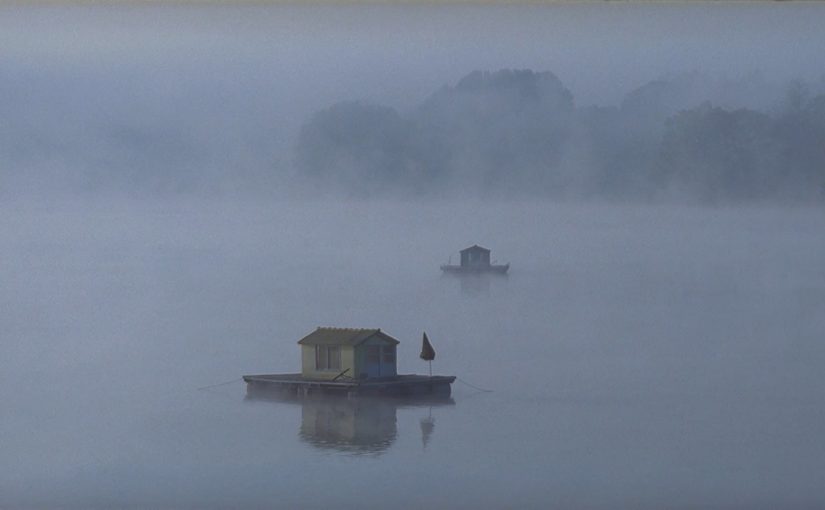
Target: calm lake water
[638, 357]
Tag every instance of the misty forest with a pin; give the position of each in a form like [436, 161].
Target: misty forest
[683, 137]
[521, 132]
[601, 223]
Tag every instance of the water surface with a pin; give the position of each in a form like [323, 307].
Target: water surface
[638, 356]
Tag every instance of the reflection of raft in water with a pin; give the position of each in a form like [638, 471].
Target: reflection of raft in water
[355, 426]
[350, 362]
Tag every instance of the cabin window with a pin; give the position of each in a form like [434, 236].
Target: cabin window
[373, 354]
[327, 357]
[388, 353]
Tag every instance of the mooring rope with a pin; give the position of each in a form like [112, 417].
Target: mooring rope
[472, 385]
[219, 384]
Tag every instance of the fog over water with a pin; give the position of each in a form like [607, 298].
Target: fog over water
[638, 356]
[177, 209]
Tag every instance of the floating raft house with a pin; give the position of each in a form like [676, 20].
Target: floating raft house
[349, 362]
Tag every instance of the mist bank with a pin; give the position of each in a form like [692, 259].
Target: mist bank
[198, 129]
[685, 137]
[135, 128]
[632, 102]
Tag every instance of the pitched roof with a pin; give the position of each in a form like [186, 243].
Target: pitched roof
[343, 336]
[475, 247]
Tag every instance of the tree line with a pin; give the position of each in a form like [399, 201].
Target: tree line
[520, 132]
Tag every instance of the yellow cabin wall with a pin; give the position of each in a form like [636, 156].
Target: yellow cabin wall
[308, 363]
[348, 361]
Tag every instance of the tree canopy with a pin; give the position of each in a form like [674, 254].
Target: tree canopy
[520, 131]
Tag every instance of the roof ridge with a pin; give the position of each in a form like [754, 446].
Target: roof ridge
[348, 329]
[345, 336]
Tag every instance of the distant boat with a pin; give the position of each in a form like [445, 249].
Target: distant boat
[475, 260]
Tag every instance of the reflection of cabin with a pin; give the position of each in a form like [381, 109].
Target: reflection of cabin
[349, 425]
[327, 353]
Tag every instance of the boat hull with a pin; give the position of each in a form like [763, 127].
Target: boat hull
[493, 268]
[402, 386]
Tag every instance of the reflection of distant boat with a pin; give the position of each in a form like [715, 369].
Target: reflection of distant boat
[358, 426]
[475, 285]
[475, 260]
[427, 426]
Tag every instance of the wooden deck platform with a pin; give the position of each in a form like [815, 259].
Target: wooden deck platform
[397, 386]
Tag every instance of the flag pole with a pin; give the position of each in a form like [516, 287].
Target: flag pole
[431, 368]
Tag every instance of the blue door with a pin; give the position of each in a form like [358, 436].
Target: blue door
[372, 361]
[388, 360]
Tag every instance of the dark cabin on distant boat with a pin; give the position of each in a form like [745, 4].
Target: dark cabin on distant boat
[475, 259]
[357, 353]
[475, 256]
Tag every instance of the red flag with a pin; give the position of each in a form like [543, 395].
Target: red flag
[427, 351]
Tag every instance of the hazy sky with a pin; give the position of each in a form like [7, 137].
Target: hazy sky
[312, 55]
[222, 89]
